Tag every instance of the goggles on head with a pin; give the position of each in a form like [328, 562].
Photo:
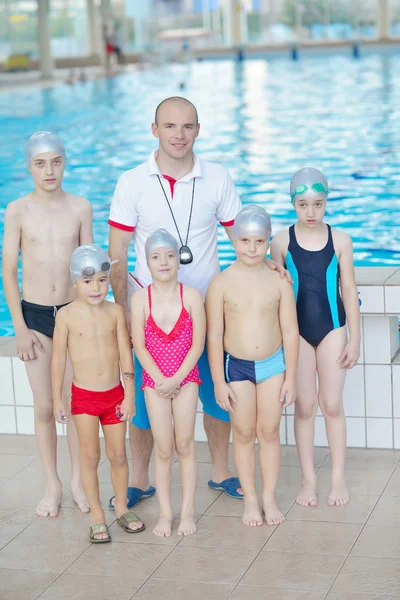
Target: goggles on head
[302, 189]
[90, 271]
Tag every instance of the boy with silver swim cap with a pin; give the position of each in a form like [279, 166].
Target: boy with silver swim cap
[93, 333]
[251, 333]
[41, 142]
[161, 238]
[51, 223]
[308, 181]
[89, 259]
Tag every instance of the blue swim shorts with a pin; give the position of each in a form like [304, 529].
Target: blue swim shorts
[206, 393]
[256, 371]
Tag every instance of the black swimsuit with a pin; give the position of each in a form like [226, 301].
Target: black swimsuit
[40, 318]
[316, 278]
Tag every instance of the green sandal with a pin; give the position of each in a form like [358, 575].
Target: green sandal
[95, 530]
[127, 518]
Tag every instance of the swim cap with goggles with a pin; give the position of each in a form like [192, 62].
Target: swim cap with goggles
[308, 179]
[160, 238]
[43, 141]
[252, 220]
[88, 260]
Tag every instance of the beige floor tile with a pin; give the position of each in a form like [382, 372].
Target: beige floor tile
[289, 480]
[369, 576]
[208, 565]
[378, 540]
[23, 585]
[91, 587]
[225, 506]
[70, 524]
[361, 458]
[228, 532]
[360, 481]
[386, 511]
[290, 458]
[354, 596]
[120, 560]
[181, 590]
[356, 511]
[12, 464]
[13, 522]
[147, 536]
[314, 538]
[293, 571]
[203, 452]
[246, 592]
[393, 487]
[18, 444]
[35, 554]
[3, 480]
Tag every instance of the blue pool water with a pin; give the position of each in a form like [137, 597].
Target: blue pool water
[262, 120]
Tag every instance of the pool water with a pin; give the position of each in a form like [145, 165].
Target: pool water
[261, 119]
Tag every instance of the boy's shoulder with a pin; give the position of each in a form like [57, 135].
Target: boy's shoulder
[77, 202]
[16, 207]
[341, 240]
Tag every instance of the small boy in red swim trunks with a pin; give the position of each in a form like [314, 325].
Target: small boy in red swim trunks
[94, 333]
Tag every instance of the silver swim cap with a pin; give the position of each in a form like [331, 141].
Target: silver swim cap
[88, 260]
[308, 179]
[252, 220]
[160, 239]
[43, 141]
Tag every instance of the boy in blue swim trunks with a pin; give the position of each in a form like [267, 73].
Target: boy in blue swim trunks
[253, 343]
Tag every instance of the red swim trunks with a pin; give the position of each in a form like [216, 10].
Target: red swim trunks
[97, 404]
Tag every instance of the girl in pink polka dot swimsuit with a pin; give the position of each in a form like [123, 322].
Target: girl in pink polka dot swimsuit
[168, 333]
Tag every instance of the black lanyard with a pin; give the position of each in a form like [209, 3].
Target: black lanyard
[172, 213]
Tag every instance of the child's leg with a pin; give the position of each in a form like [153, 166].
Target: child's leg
[305, 409]
[160, 415]
[184, 409]
[331, 383]
[269, 413]
[39, 375]
[87, 427]
[73, 444]
[116, 452]
[243, 419]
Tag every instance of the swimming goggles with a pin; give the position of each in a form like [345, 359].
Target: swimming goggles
[302, 189]
[90, 271]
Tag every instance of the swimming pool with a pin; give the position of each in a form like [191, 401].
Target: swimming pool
[262, 120]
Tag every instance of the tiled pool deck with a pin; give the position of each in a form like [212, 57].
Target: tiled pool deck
[340, 553]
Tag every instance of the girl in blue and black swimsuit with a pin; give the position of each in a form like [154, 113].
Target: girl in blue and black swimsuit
[320, 261]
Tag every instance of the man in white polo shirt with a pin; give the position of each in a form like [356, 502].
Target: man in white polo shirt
[178, 191]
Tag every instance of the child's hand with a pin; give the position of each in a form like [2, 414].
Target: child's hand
[288, 393]
[174, 394]
[60, 414]
[225, 397]
[350, 355]
[127, 410]
[167, 386]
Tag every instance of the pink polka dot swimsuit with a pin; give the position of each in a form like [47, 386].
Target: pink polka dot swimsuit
[169, 350]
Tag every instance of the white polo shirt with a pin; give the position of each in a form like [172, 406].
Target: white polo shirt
[139, 205]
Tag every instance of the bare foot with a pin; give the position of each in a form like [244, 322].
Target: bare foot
[163, 527]
[273, 515]
[50, 503]
[79, 497]
[251, 514]
[187, 526]
[308, 494]
[339, 494]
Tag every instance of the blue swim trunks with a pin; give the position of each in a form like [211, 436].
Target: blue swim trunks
[256, 371]
[206, 393]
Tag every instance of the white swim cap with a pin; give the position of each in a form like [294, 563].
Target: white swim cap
[88, 260]
[43, 141]
[160, 238]
[307, 180]
[252, 220]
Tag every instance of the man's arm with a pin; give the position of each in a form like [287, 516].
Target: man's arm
[274, 266]
[215, 343]
[351, 353]
[291, 340]
[58, 363]
[126, 364]
[86, 229]
[118, 250]
[25, 338]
